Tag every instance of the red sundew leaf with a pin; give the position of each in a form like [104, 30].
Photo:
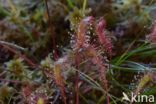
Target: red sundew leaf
[82, 30]
[101, 25]
[101, 69]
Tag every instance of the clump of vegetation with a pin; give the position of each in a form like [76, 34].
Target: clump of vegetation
[77, 51]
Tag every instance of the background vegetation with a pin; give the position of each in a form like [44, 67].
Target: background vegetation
[76, 51]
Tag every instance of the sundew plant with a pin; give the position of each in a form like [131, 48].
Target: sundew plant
[78, 52]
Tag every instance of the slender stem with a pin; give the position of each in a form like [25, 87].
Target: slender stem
[77, 78]
[77, 87]
[12, 45]
[84, 7]
[55, 54]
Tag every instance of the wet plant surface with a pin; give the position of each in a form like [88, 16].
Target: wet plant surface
[77, 51]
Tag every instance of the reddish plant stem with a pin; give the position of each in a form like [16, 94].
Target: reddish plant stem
[55, 54]
[20, 55]
[102, 72]
[10, 81]
[77, 88]
[77, 79]
[63, 94]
